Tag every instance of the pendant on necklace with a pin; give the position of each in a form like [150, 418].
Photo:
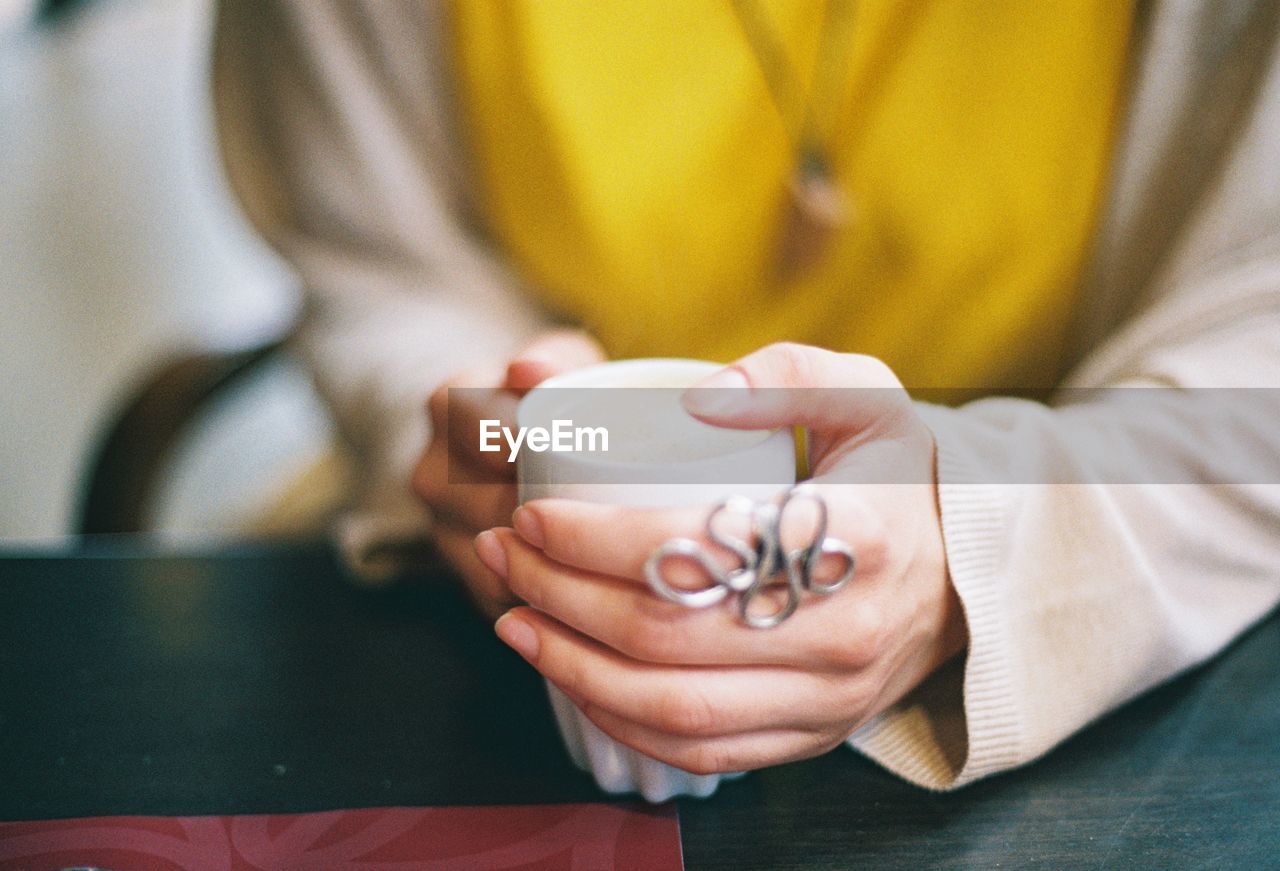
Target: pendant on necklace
[816, 209]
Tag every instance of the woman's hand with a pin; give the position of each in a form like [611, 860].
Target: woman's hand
[467, 490]
[696, 688]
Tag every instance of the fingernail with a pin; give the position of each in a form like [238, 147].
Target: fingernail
[518, 635]
[519, 362]
[529, 527]
[720, 393]
[491, 552]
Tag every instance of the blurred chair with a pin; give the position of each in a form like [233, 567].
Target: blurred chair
[121, 484]
[107, 151]
[56, 10]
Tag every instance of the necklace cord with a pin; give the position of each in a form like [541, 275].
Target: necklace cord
[801, 115]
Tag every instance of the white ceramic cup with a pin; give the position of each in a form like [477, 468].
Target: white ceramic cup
[674, 461]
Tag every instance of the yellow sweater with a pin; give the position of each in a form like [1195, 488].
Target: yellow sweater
[633, 166]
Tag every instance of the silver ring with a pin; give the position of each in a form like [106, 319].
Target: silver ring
[762, 563]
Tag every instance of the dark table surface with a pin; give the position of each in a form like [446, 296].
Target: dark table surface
[255, 680]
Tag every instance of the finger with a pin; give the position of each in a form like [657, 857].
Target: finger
[828, 634]
[631, 620]
[585, 534]
[715, 755]
[787, 384]
[566, 530]
[487, 589]
[462, 494]
[687, 701]
[456, 409]
[552, 354]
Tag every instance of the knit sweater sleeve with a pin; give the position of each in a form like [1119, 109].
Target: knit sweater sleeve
[1104, 542]
[1084, 583]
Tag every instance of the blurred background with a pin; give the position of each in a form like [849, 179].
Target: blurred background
[120, 249]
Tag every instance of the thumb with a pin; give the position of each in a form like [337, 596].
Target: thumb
[787, 384]
[551, 354]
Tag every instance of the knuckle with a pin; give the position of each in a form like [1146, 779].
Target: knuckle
[828, 739]
[867, 636]
[567, 673]
[792, 362]
[686, 712]
[846, 652]
[847, 698]
[424, 483]
[438, 404]
[648, 640]
[633, 640]
[872, 551]
[855, 521]
[859, 641]
[521, 583]
[707, 758]
[430, 477]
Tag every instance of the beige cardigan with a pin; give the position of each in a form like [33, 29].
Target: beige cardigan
[335, 123]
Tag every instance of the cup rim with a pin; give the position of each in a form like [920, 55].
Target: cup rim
[593, 373]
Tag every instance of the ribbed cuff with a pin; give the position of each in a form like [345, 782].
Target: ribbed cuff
[378, 547]
[388, 532]
[961, 724]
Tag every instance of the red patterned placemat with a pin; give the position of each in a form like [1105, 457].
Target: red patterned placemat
[564, 836]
